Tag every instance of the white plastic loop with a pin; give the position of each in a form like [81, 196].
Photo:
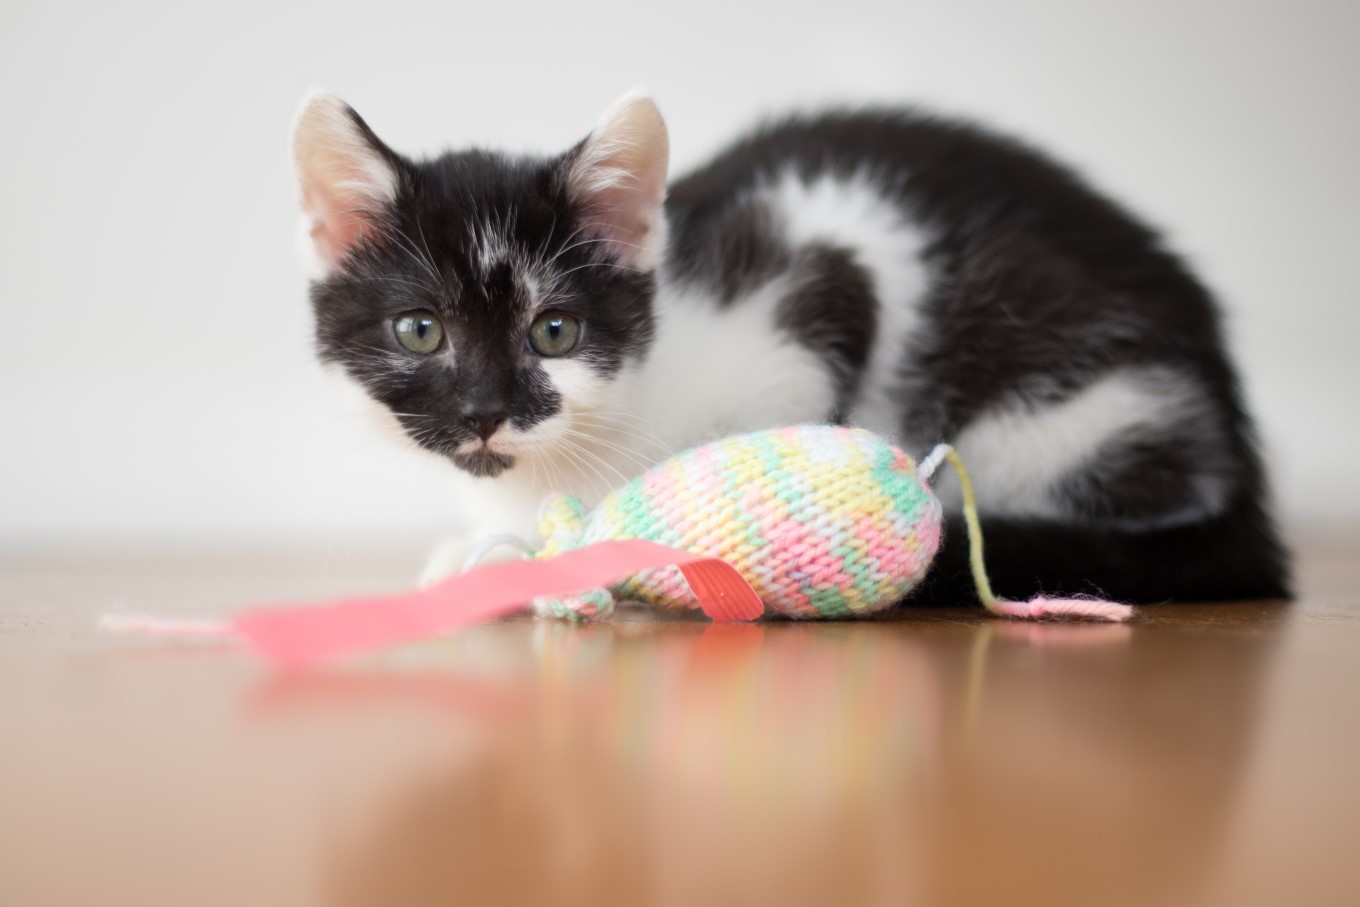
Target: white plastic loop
[491, 543]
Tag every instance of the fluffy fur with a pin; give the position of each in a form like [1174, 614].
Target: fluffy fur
[917, 276]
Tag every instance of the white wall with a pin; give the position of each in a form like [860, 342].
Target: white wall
[156, 377]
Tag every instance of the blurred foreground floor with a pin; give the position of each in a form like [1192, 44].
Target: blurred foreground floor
[1203, 755]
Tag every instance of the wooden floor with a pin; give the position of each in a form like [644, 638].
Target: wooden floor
[1203, 755]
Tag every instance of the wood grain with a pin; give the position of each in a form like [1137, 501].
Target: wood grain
[1202, 755]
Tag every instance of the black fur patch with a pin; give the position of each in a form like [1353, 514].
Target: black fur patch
[831, 309]
[1233, 555]
[729, 252]
[1130, 481]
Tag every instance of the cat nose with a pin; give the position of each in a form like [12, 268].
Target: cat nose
[484, 422]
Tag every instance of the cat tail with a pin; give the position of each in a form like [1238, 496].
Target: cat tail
[1234, 555]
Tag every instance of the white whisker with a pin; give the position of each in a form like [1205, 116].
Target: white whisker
[623, 428]
[409, 248]
[584, 451]
[599, 264]
[637, 459]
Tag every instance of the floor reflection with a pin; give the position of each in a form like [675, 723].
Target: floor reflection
[951, 758]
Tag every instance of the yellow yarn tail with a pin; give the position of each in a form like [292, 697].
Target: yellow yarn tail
[970, 517]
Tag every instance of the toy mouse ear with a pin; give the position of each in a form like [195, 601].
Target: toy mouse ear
[618, 177]
[347, 181]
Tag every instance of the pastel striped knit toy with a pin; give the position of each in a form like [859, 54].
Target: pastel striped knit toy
[821, 521]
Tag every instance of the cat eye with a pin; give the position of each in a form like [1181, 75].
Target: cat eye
[554, 334]
[420, 331]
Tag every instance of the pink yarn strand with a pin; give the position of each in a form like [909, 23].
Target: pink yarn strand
[1042, 607]
[166, 627]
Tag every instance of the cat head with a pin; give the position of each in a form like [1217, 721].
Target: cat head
[485, 299]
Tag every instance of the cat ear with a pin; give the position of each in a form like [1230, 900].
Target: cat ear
[346, 178]
[618, 176]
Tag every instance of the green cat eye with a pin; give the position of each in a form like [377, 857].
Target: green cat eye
[420, 332]
[554, 334]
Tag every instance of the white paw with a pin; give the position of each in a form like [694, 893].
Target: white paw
[451, 556]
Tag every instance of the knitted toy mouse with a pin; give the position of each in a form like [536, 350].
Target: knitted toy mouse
[820, 520]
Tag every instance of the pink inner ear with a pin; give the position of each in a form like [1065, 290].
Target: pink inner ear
[625, 215]
[619, 176]
[338, 222]
[345, 178]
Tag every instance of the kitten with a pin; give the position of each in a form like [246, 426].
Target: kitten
[560, 323]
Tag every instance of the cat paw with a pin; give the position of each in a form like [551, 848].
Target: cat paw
[451, 556]
[447, 558]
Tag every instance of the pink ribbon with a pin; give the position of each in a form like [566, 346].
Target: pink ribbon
[295, 636]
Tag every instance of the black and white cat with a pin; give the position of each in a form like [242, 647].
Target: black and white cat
[560, 323]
